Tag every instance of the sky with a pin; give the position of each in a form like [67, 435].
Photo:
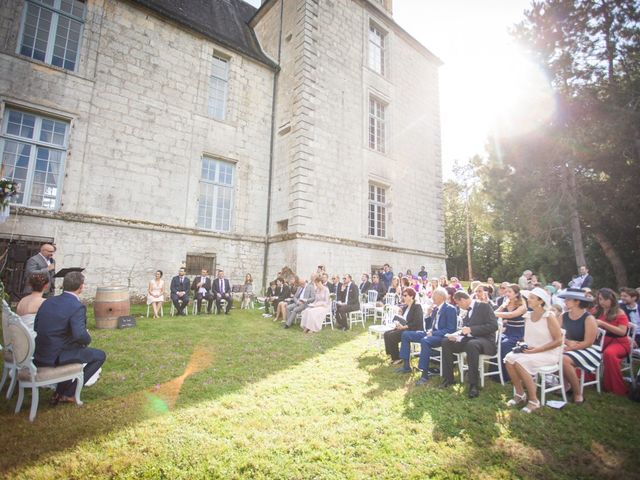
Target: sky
[487, 84]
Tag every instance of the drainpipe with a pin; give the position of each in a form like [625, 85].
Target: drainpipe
[276, 74]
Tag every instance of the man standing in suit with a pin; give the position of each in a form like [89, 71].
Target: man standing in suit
[442, 320]
[584, 280]
[62, 336]
[478, 331]
[180, 292]
[365, 284]
[386, 276]
[202, 290]
[44, 263]
[222, 291]
[348, 301]
[305, 295]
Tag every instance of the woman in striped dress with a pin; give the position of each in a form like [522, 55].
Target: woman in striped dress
[580, 350]
[511, 312]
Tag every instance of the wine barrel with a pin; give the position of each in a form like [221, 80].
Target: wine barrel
[110, 303]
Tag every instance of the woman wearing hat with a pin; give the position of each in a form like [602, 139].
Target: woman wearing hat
[581, 333]
[511, 312]
[611, 318]
[543, 337]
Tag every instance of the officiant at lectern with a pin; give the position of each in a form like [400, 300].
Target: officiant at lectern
[42, 262]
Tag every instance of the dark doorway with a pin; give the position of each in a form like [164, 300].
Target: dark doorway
[15, 253]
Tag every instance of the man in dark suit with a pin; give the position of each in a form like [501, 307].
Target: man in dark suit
[348, 301]
[44, 263]
[583, 280]
[478, 337]
[442, 320]
[365, 284]
[378, 286]
[629, 305]
[334, 286]
[222, 291]
[201, 287]
[62, 337]
[180, 292]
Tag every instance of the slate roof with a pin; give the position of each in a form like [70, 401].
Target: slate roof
[224, 21]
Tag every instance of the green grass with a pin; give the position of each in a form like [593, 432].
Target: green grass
[239, 397]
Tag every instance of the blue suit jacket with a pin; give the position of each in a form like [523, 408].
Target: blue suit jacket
[448, 320]
[61, 325]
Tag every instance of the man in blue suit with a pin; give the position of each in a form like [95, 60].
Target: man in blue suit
[443, 320]
[62, 336]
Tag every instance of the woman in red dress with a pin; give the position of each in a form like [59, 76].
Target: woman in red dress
[616, 343]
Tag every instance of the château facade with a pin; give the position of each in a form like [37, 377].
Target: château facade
[150, 134]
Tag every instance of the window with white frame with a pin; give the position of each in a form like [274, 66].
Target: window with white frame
[377, 210]
[34, 148]
[377, 40]
[377, 128]
[218, 87]
[215, 204]
[51, 31]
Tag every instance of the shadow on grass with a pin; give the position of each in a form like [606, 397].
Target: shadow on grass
[173, 362]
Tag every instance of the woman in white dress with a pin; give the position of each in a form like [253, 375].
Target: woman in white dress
[29, 305]
[313, 316]
[543, 338]
[155, 293]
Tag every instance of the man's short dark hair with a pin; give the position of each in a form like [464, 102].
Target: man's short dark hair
[460, 295]
[366, 275]
[629, 291]
[72, 281]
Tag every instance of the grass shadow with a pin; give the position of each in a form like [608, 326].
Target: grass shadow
[147, 374]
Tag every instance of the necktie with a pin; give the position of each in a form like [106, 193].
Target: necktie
[467, 317]
[435, 319]
[346, 295]
[221, 286]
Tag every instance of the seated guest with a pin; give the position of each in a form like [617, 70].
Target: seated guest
[334, 286]
[155, 293]
[412, 322]
[365, 284]
[476, 337]
[442, 281]
[247, 293]
[581, 332]
[283, 297]
[348, 301]
[314, 315]
[511, 312]
[455, 283]
[325, 279]
[442, 320]
[543, 338]
[29, 305]
[201, 287]
[616, 346]
[269, 297]
[394, 287]
[629, 305]
[222, 291]
[378, 286]
[502, 293]
[304, 296]
[180, 292]
[422, 274]
[62, 336]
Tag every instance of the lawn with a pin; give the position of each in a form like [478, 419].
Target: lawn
[239, 397]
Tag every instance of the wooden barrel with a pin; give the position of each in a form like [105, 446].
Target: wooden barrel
[109, 304]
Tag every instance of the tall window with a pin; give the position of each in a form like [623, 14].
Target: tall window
[376, 49]
[218, 88]
[33, 152]
[377, 125]
[377, 211]
[51, 31]
[216, 195]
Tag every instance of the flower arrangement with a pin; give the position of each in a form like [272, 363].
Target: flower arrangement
[8, 188]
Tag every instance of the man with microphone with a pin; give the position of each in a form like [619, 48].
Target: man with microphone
[42, 262]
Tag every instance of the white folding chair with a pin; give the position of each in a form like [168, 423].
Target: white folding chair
[553, 369]
[596, 381]
[329, 318]
[490, 359]
[23, 347]
[356, 317]
[161, 309]
[9, 369]
[627, 362]
[386, 324]
[369, 307]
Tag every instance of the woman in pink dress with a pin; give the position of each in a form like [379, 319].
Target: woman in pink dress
[313, 316]
[543, 337]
